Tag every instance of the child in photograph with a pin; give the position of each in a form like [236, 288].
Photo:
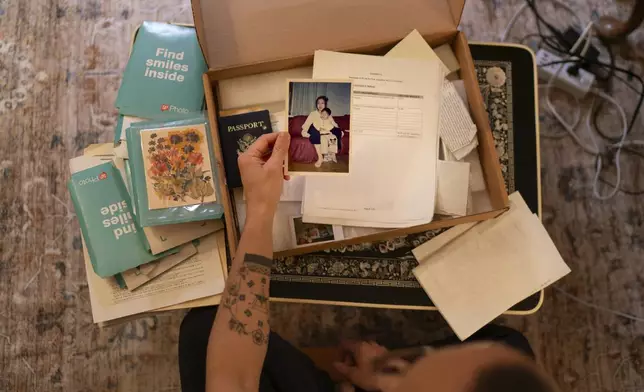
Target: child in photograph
[328, 140]
[314, 123]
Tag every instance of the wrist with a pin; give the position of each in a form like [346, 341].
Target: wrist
[259, 221]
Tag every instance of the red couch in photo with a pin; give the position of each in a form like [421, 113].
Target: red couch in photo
[301, 149]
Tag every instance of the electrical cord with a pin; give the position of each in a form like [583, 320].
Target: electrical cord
[618, 69]
[557, 43]
[620, 146]
[595, 149]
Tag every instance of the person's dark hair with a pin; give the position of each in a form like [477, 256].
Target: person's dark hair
[327, 111]
[321, 97]
[510, 378]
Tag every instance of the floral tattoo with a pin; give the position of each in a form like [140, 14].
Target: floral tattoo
[247, 299]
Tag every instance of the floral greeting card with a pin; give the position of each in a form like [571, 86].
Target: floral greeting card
[178, 171]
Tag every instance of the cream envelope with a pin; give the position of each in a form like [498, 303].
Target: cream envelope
[476, 271]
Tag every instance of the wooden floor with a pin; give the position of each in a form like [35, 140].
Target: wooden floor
[60, 67]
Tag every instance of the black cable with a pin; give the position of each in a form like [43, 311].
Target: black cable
[618, 69]
[632, 122]
[558, 44]
[558, 35]
[608, 90]
[557, 41]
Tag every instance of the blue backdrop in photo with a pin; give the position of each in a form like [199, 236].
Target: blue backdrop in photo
[302, 97]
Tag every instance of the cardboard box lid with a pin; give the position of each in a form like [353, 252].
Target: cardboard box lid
[243, 32]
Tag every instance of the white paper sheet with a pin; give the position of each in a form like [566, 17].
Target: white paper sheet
[393, 175]
[453, 188]
[457, 130]
[414, 46]
[475, 274]
[136, 277]
[199, 276]
[477, 178]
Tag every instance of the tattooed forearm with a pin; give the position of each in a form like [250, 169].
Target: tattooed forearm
[246, 298]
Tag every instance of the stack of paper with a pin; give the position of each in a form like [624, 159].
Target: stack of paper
[476, 271]
[394, 142]
[395, 178]
[197, 281]
[192, 270]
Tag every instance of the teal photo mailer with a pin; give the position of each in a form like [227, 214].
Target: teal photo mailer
[163, 76]
[114, 240]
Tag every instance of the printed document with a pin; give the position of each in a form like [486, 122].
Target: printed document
[138, 276]
[199, 276]
[395, 106]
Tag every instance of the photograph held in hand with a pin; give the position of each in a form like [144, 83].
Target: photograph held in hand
[319, 120]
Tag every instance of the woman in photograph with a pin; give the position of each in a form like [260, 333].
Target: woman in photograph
[318, 122]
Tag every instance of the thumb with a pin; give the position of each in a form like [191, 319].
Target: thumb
[280, 149]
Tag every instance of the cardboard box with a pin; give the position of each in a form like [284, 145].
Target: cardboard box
[255, 36]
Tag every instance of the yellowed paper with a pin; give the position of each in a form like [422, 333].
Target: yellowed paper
[85, 162]
[447, 57]
[213, 299]
[426, 250]
[198, 277]
[220, 236]
[457, 130]
[259, 89]
[452, 188]
[414, 46]
[136, 277]
[99, 149]
[233, 112]
[477, 178]
[195, 303]
[164, 237]
[177, 166]
[483, 272]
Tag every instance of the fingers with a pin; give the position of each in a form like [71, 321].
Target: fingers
[345, 370]
[280, 149]
[262, 145]
[347, 387]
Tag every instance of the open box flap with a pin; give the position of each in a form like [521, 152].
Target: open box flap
[236, 33]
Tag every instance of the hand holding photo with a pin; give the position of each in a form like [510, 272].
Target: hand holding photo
[319, 121]
[304, 234]
[178, 171]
